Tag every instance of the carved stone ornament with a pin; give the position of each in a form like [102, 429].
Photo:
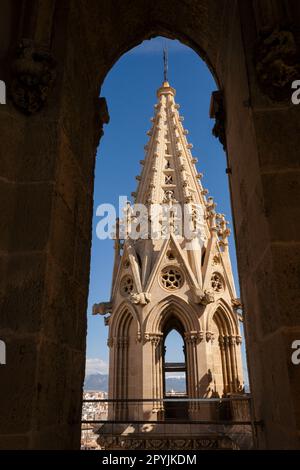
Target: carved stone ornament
[277, 62]
[142, 298]
[171, 278]
[238, 340]
[208, 297]
[101, 118]
[33, 75]
[109, 442]
[216, 260]
[217, 282]
[209, 336]
[126, 286]
[236, 303]
[102, 308]
[194, 337]
[217, 112]
[154, 338]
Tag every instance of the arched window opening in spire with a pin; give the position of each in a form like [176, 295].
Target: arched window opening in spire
[175, 375]
[174, 365]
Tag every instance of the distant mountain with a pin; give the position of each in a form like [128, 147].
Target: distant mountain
[177, 384]
[99, 382]
[96, 382]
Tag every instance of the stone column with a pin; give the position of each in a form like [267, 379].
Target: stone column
[232, 350]
[238, 342]
[191, 369]
[157, 372]
[228, 364]
[111, 377]
[224, 368]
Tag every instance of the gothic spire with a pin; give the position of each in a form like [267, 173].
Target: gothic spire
[169, 170]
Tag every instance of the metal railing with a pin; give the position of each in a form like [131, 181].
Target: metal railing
[230, 411]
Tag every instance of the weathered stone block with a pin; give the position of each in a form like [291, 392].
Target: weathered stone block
[60, 307]
[286, 273]
[23, 291]
[26, 207]
[18, 384]
[277, 135]
[62, 238]
[282, 202]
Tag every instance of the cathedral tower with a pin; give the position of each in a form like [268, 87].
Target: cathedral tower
[172, 271]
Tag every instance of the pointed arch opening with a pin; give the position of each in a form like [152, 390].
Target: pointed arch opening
[227, 368]
[174, 369]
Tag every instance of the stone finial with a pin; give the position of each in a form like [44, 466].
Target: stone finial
[211, 213]
[222, 228]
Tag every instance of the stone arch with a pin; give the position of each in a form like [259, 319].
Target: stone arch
[171, 27]
[224, 326]
[227, 318]
[120, 319]
[124, 336]
[174, 311]
[176, 306]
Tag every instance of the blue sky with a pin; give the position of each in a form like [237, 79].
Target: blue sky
[130, 91]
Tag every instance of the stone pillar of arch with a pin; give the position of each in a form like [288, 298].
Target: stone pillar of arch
[125, 353]
[191, 340]
[226, 332]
